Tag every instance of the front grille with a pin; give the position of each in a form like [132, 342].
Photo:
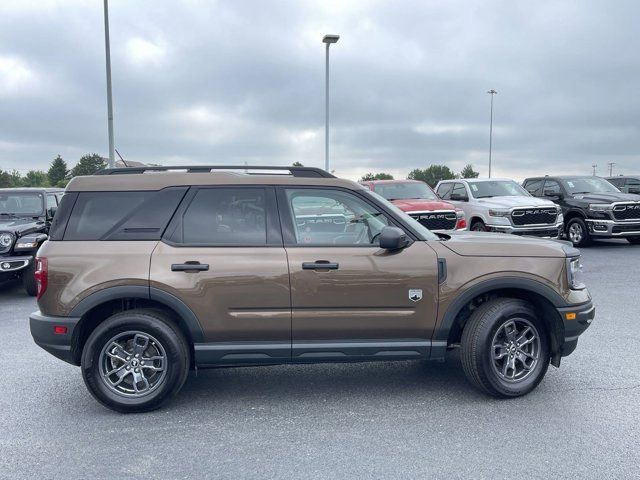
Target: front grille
[534, 216]
[436, 220]
[630, 211]
[547, 232]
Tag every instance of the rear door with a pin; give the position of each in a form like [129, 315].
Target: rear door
[349, 297]
[222, 255]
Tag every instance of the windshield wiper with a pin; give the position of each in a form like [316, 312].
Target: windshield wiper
[485, 196]
[580, 193]
[8, 214]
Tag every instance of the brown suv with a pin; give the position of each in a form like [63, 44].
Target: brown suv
[149, 272]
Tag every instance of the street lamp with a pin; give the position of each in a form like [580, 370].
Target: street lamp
[112, 160]
[328, 40]
[492, 92]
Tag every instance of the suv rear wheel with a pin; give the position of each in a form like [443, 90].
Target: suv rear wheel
[135, 360]
[505, 348]
[577, 232]
[478, 226]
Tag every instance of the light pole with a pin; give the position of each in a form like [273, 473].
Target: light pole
[328, 40]
[595, 165]
[492, 92]
[112, 160]
[611, 165]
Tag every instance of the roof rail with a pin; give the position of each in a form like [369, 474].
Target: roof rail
[306, 172]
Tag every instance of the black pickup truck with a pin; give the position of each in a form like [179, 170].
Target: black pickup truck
[25, 217]
[592, 207]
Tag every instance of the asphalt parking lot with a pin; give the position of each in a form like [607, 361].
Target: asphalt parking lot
[384, 420]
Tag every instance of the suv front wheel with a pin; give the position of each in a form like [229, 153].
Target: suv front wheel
[135, 360]
[505, 348]
[578, 233]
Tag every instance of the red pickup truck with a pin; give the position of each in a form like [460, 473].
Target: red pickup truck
[418, 200]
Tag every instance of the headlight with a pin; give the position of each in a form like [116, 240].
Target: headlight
[599, 207]
[574, 273]
[6, 240]
[499, 213]
[25, 243]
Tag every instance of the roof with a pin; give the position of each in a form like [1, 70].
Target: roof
[478, 180]
[32, 189]
[158, 178]
[622, 176]
[376, 182]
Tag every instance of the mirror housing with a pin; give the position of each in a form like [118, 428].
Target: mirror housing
[51, 211]
[551, 193]
[393, 238]
[456, 197]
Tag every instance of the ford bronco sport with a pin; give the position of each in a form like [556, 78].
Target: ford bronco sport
[25, 216]
[420, 202]
[149, 272]
[593, 207]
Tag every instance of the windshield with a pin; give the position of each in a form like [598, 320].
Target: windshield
[588, 185]
[497, 188]
[424, 232]
[21, 203]
[404, 191]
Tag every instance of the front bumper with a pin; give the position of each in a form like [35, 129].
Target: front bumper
[576, 320]
[57, 344]
[14, 264]
[612, 228]
[550, 231]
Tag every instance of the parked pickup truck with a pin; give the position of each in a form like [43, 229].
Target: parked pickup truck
[501, 205]
[418, 200]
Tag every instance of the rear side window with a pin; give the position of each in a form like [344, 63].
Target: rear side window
[534, 187]
[224, 216]
[137, 215]
[444, 190]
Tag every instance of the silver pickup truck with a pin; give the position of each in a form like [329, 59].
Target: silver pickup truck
[501, 205]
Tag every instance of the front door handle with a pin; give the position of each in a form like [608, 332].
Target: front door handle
[320, 265]
[189, 267]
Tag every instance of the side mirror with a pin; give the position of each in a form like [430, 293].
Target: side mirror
[393, 238]
[551, 193]
[456, 197]
[51, 211]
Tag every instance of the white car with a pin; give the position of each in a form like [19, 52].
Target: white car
[502, 205]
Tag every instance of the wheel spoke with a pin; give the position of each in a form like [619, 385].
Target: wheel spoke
[510, 330]
[115, 370]
[138, 377]
[118, 352]
[502, 353]
[140, 344]
[523, 335]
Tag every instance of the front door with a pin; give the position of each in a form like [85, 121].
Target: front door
[351, 299]
[222, 255]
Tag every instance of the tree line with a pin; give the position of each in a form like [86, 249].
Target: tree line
[58, 174]
[430, 175]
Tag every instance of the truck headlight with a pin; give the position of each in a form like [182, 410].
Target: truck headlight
[26, 243]
[574, 273]
[599, 207]
[499, 213]
[6, 240]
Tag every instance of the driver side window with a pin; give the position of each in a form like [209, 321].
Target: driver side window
[334, 217]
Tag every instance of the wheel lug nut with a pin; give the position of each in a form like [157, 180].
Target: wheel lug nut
[128, 367]
[142, 362]
[137, 370]
[128, 358]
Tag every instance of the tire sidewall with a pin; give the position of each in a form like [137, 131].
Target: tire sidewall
[586, 238]
[174, 348]
[29, 280]
[512, 310]
[480, 224]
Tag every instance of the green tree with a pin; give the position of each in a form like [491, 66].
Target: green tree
[376, 176]
[469, 172]
[35, 178]
[432, 175]
[15, 179]
[88, 165]
[5, 179]
[58, 172]
[297, 164]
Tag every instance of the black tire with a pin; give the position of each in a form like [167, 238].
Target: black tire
[478, 353]
[577, 232]
[165, 341]
[478, 226]
[29, 279]
[633, 240]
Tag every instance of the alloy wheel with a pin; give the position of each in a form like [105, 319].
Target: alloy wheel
[576, 233]
[515, 349]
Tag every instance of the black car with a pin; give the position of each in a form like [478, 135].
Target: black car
[25, 217]
[592, 207]
[626, 183]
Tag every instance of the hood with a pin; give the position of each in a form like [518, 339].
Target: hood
[20, 225]
[421, 204]
[484, 244]
[516, 201]
[607, 197]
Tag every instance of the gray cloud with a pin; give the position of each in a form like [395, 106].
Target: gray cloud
[201, 81]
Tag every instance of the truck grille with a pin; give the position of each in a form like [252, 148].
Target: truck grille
[436, 220]
[534, 216]
[629, 211]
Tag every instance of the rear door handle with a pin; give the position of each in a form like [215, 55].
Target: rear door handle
[320, 265]
[189, 267]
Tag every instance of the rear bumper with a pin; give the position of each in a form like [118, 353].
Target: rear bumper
[576, 320]
[611, 228]
[57, 344]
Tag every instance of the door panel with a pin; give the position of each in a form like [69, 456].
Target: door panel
[367, 297]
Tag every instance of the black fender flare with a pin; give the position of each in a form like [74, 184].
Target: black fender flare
[185, 314]
[441, 335]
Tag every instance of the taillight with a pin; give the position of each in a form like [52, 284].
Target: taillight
[42, 275]
[462, 222]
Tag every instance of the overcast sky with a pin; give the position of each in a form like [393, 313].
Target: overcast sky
[243, 81]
